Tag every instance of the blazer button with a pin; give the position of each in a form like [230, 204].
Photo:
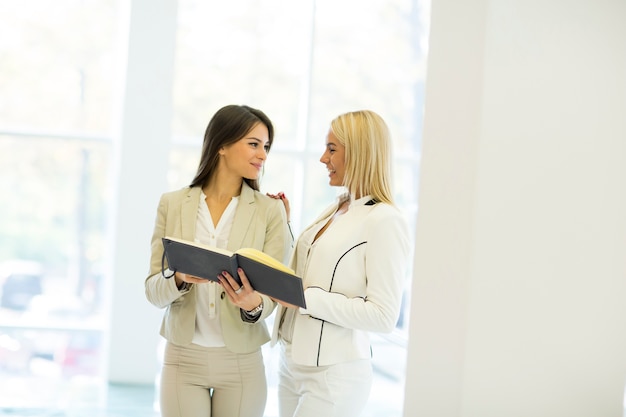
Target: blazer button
[223, 295]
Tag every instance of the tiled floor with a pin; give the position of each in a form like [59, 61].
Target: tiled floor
[91, 397]
[138, 401]
[117, 401]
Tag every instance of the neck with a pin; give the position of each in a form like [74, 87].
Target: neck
[343, 206]
[221, 187]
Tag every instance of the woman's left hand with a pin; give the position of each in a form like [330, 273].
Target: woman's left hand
[243, 296]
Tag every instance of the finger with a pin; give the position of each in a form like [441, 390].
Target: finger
[190, 278]
[231, 281]
[193, 278]
[228, 288]
[245, 282]
[225, 283]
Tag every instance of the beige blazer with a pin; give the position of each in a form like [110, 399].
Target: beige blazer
[260, 222]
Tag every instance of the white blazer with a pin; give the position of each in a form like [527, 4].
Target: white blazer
[353, 276]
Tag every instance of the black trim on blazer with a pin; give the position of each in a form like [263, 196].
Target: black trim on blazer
[330, 288]
[319, 345]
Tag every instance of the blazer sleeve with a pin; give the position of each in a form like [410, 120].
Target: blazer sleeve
[278, 242]
[386, 258]
[278, 239]
[159, 291]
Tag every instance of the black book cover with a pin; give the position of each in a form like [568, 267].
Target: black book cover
[207, 262]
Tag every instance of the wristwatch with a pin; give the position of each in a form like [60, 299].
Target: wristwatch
[255, 311]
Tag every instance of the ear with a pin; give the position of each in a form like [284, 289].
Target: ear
[221, 151]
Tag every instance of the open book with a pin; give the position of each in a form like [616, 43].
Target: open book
[267, 275]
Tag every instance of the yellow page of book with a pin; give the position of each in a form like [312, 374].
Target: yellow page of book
[265, 259]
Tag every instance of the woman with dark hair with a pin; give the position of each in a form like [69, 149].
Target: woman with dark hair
[213, 364]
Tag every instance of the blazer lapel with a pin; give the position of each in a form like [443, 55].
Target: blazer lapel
[189, 213]
[243, 218]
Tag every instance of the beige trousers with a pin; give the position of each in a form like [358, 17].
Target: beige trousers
[197, 381]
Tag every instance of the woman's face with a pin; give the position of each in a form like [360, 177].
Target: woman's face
[245, 157]
[334, 159]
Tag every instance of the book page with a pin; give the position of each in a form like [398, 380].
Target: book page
[201, 245]
[264, 258]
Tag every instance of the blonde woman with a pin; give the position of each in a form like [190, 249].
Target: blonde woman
[353, 260]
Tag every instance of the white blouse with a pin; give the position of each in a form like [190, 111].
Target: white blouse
[208, 328]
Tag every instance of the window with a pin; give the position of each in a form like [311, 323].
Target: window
[301, 62]
[56, 117]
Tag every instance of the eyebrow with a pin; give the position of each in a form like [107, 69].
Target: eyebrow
[257, 139]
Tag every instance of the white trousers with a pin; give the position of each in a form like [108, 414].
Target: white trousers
[339, 390]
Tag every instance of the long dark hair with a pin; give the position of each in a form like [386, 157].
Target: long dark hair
[227, 126]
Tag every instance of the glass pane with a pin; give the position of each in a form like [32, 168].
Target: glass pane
[49, 368]
[57, 61]
[303, 63]
[373, 60]
[52, 308]
[238, 52]
[183, 165]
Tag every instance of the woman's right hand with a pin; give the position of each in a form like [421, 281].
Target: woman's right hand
[282, 197]
[180, 278]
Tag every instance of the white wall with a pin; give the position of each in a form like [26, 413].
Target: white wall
[519, 298]
[142, 158]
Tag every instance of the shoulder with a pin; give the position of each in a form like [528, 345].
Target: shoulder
[258, 198]
[384, 210]
[264, 201]
[179, 195]
[388, 229]
[384, 214]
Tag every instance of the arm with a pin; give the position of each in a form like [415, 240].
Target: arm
[282, 197]
[278, 238]
[386, 258]
[159, 291]
[277, 244]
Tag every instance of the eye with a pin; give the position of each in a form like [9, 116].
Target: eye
[267, 148]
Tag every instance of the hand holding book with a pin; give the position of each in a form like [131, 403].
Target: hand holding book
[264, 273]
[243, 296]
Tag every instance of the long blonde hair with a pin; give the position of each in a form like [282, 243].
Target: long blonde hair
[366, 138]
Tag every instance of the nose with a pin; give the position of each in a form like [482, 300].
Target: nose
[262, 154]
[324, 159]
